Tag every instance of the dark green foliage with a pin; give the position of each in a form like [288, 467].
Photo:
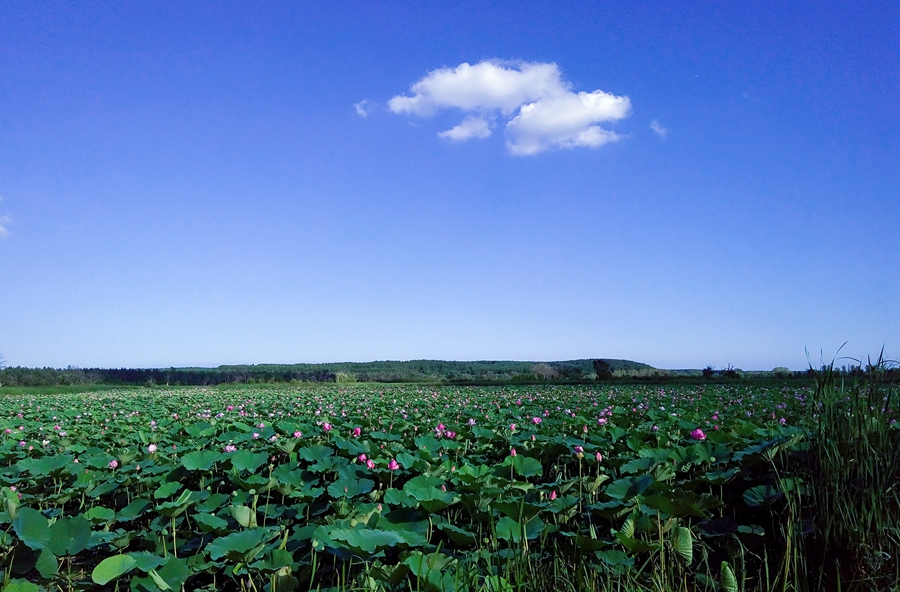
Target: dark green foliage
[433, 371]
[602, 369]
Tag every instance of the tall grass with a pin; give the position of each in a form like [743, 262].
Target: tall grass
[854, 478]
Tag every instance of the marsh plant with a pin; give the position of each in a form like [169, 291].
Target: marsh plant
[854, 471]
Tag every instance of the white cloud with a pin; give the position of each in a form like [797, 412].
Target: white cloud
[471, 127]
[4, 232]
[540, 110]
[484, 86]
[566, 121]
[658, 129]
[362, 108]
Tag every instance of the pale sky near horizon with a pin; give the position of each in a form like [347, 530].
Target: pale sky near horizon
[195, 184]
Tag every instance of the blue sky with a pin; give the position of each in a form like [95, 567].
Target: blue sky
[714, 183]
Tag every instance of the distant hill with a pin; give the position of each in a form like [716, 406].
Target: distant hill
[442, 370]
[439, 371]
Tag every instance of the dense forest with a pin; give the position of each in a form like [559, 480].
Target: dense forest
[345, 372]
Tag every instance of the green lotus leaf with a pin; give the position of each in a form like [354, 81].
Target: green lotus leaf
[46, 564]
[200, 460]
[112, 568]
[314, 453]
[237, 546]
[365, 540]
[99, 514]
[525, 466]
[211, 523]
[348, 488]
[134, 509]
[69, 535]
[32, 528]
[21, 586]
[167, 489]
[46, 466]
[145, 561]
[628, 487]
[244, 460]
[761, 495]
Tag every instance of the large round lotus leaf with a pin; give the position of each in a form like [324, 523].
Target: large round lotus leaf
[395, 497]
[629, 487]
[112, 568]
[406, 460]
[200, 460]
[683, 544]
[459, 536]
[211, 523]
[166, 489]
[174, 573]
[350, 488]
[314, 453]
[100, 514]
[244, 460]
[510, 530]
[32, 528]
[526, 466]
[236, 544]
[761, 495]
[21, 586]
[145, 561]
[133, 510]
[365, 539]
[243, 515]
[69, 535]
[43, 467]
[46, 564]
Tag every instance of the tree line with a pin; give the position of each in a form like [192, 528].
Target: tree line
[379, 371]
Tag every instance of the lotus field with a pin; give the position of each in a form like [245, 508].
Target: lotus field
[399, 488]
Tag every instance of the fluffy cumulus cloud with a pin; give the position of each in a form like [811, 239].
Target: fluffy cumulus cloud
[471, 127]
[538, 108]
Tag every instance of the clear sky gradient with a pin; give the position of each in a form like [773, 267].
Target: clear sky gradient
[209, 183]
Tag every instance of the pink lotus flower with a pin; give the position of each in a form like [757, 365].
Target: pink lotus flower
[536, 420]
[698, 434]
[255, 435]
[298, 434]
[654, 429]
[450, 435]
[113, 464]
[552, 495]
[601, 421]
[512, 452]
[326, 426]
[599, 457]
[393, 465]
[361, 458]
[370, 464]
[357, 432]
[230, 448]
[151, 449]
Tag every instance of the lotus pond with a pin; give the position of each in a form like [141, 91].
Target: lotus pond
[395, 487]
